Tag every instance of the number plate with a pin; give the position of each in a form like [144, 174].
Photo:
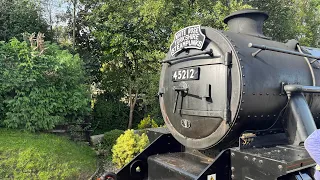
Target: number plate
[186, 74]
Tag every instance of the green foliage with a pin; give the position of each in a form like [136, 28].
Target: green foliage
[110, 139]
[19, 16]
[307, 21]
[151, 101]
[127, 147]
[280, 16]
[41, 156]
[292, 19]
[40, 90]
[147, 122]
[133, 36]
[29, 164]
[108, 115]
[87, 46]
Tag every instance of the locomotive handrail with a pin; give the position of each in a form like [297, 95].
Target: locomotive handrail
[300, 88]
[210, 52]
[264, 47]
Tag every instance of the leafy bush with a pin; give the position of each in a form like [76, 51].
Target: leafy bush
[110, 113]
[40, 87]
[42, 156]
[128, 146]
[110, 139]
[147, 122]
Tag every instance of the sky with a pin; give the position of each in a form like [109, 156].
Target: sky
[57, 7]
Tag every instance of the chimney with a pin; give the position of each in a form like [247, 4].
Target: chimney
[248, 21]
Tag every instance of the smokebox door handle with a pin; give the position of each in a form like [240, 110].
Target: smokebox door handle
[207, 91]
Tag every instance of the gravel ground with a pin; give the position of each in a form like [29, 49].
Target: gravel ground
[105, 166]
[109, 167]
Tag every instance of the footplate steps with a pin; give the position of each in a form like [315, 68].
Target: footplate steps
[174, 166]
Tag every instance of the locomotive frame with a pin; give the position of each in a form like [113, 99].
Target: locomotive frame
[165, 158]
[231, 150]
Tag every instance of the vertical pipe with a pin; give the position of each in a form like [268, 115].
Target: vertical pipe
[301, 124]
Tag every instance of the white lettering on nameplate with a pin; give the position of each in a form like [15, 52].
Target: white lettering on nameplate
[187, 38]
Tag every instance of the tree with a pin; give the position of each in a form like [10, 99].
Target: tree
[280, 25]
[125, 45]
[51, 11]
[291, 19]
[74, 4]
[88, 46]
[40, 85]
[19, 16]
[308, 22]
[135, 35]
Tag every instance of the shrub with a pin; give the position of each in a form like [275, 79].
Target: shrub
[147, 122]
[110, 139]
[110, 113]
[40, 88]
[128, 145]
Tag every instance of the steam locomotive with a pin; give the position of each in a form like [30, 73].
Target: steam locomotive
[237, 106]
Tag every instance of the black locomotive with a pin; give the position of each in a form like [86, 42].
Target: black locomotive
[237, 105]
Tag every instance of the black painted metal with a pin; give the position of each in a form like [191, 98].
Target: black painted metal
[248, 92]
[204, 113]
[269, 163]
[252, 88]
[263, 47]
[293, 88]
[272, 163]
[174, 166]
[247, 22]
[185, 58]
[271, 138]
[300, 123]
[154, 133]
[220, 166]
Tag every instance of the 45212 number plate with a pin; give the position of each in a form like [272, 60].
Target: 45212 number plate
[186, 74]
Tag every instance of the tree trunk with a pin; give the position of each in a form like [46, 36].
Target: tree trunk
[132, 102]
[50, 17]
[130, 117]
[74, 24]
